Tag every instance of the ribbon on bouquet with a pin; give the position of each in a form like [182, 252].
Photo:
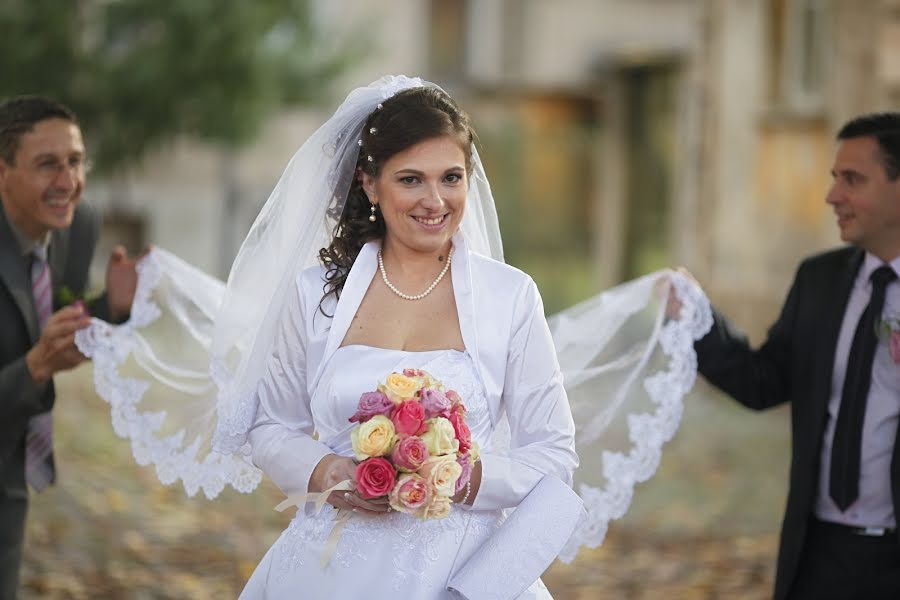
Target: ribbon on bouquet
[319, 499]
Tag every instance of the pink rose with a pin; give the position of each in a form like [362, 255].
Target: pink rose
[895, 345]
[409, 418]
[458, 420]
[371, 404]
[409, 454]
[456, 402]
[466, 463]
[410, 494]
[375, 477]
[414, 372]
[435, 403]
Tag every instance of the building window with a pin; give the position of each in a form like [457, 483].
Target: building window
[448, 38]
[804, 59]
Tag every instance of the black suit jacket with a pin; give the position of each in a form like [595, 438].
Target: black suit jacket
[70, 256]
[794, 364]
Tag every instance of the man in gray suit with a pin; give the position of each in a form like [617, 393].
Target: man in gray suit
[46, 244]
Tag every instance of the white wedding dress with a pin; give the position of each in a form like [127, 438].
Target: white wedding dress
[391, 555]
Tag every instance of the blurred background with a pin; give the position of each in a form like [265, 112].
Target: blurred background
[620, 136]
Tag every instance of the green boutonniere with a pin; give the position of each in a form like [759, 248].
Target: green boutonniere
[66, 297]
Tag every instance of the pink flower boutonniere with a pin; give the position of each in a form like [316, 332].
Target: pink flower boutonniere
[895, 345]
[889, 331]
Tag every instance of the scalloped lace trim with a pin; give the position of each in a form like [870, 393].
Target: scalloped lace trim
[649, 431]
[109, 346]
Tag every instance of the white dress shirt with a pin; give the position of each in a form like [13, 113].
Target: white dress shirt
[873, 507]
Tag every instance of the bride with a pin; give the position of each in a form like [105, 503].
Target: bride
[402, 290]
[390, 196]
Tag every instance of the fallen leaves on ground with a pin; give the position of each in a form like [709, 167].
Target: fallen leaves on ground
[110, 530]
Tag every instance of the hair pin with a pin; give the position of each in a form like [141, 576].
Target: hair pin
[373, 131]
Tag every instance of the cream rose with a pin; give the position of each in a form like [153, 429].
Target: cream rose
[423, 378]
[440, 437]
[475, 452]
[441, 472]
[438, 508]
[375, 437]
[399, 387]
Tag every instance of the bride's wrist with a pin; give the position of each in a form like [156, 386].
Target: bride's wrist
[463, 495]
[466, 494]
[317, 479]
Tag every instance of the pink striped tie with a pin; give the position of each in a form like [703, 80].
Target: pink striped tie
[39, 471]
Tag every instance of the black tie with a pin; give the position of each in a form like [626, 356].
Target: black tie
[845, 452]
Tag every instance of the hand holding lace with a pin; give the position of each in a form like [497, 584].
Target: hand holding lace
[673, 302]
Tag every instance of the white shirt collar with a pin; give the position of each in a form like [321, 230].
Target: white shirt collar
[871, 263]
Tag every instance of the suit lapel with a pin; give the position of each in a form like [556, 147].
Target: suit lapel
[14, 276]
[59, 242]
[832, 318]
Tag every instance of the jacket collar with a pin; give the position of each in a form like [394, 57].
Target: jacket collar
[56, 258]
[15, 277]
[833, 316]
[360, 277]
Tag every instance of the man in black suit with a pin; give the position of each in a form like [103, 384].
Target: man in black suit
[830, 354]
[46, 244]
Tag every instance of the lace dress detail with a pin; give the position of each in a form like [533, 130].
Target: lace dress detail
[414, 546]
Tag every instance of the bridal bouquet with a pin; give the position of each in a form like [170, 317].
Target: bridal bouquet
[413, 444]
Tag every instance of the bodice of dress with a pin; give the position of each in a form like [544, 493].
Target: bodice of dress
[354, 370]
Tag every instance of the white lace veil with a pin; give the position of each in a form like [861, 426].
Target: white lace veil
[180, 375]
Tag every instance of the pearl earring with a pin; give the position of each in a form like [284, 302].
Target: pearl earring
[372, 217]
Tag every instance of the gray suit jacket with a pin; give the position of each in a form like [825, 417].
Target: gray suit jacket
[70, 256]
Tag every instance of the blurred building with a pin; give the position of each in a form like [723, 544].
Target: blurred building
[620, 136]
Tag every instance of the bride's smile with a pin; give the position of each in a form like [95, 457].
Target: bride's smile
[421, 194]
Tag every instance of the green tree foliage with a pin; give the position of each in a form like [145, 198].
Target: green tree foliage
[139, 72]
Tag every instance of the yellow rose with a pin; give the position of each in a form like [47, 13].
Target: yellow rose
[438, 508]
[474, 452]
[441, 472]
[399, 387]
[431, 382]
[441, 437]
[423, 379]
[375, 437]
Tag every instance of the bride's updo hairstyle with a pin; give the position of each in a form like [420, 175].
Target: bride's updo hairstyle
[399, 123]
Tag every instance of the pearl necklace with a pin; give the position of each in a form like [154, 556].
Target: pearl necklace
[431, 287]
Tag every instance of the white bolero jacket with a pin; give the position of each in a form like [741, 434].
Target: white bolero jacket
[504, 330]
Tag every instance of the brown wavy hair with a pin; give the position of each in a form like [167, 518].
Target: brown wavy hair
[404, 120]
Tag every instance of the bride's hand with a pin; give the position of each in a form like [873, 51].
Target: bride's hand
[334, 469]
